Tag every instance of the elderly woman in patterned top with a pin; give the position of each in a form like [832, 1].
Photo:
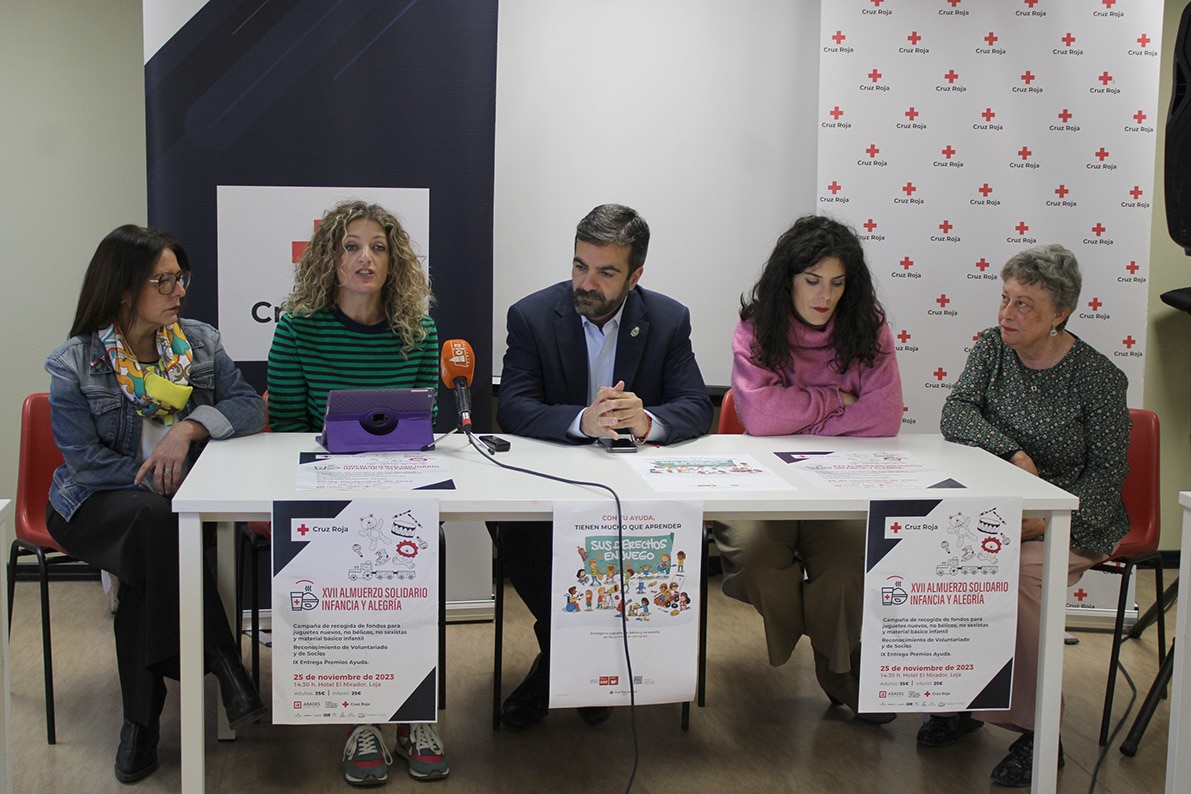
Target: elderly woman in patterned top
[1043, 399]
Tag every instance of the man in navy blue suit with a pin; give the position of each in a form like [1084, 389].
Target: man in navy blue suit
[594, 357]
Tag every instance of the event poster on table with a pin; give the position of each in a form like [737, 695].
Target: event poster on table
[656, 592]
[355, 615]
[940, 604]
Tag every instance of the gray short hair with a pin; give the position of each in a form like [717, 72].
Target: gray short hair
[1052, 266]
[616, 224]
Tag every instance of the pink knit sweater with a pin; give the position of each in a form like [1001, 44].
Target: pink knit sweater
[805, 398]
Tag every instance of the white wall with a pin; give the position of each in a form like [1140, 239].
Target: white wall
[72, 168]
[700, 114]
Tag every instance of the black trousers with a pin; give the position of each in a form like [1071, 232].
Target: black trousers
[526, 549]
[133, 534]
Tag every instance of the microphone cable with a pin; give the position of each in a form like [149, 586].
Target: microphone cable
[624, 625]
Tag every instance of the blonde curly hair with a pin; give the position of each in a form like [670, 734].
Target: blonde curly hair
[406, 293]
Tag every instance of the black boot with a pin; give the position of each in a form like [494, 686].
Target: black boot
[240, 698]
[136, 758]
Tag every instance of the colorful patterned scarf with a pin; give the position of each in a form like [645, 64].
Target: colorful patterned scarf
[158, 396]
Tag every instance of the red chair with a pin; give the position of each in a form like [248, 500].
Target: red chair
[1142, 502]
[729, 421]
[39, 457]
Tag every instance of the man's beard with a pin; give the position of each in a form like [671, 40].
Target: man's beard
[598, 309]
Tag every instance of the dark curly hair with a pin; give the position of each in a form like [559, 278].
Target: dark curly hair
[858, 316]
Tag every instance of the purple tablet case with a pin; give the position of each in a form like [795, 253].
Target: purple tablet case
[378, 420]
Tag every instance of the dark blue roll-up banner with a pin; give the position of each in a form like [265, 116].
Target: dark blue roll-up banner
[260, 116]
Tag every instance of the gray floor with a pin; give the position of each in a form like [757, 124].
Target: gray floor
[764, 729]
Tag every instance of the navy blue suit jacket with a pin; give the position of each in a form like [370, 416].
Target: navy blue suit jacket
[543, 386]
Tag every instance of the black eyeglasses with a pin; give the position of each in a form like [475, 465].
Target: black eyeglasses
[165, 284]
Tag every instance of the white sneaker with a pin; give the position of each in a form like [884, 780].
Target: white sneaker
[420, 744]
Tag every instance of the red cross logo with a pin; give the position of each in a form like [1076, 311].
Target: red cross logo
[1129, 341]
[1068, 39]
[874, 75]
[869, 225]
[984, 190]
[836, 113]
[1143, 40]
[1099, 228]
[905, 409]
[1139, 117]
[943, 300]
[983, 265]
[1109, 3]
[1105, 78]
[303, 529]
[975, 336]
[345, 704]
[939, 373]
[834, 187]
[1021, 227]
[914, 38]
[906, 262]
[1136, 192]
[1065, 116]
[991, 38]
[872, 150]
[954, 3]
[1028, 77]
[1095, 304]
[909, 188]
[988, 114]
[839, 37]
[951, 76]
[298, 247]
[1132, 267]
[946, 226]
[895, 527]
[1102, 154]
[1031, 3]
[912, 114]
[948, 152]
[1024, 153]
[1080, 594]
[878, 2]
[1062, 191]
[904, 336]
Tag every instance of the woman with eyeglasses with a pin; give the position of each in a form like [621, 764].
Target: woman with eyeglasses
[135, 394]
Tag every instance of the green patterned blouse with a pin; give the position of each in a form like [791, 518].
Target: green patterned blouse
[1071, 419]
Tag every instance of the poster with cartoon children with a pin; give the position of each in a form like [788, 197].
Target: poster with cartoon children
[940, 604]
[358, 641]
[643, 580]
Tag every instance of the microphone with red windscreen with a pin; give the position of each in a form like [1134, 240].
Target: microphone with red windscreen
[458, 365]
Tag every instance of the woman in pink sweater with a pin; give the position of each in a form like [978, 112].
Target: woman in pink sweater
[812, 354]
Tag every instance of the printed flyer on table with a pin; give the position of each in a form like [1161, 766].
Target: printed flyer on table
[355, 611]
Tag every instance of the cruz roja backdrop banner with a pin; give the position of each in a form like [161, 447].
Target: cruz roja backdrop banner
[322, 94]
[954, 133]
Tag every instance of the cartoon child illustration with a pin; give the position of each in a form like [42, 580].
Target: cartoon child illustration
[664, 565]
[588, 594]
[644, 610]
[572, 599]
[582, 553]
[681, 560]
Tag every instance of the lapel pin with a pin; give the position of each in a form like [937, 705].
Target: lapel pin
[636, 330]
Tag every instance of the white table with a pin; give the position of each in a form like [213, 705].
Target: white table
[239, 479]
[5, 714]
[1178, 748]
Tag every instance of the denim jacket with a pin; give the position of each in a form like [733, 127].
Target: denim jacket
[98, 429]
